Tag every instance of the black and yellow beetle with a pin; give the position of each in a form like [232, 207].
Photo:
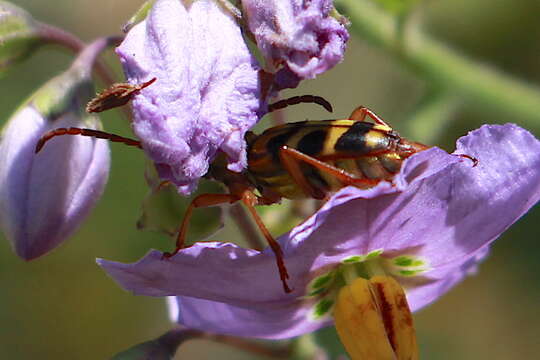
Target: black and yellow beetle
[309, 159]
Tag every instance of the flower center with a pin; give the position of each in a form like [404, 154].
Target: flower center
[325, 287]
[369, 306]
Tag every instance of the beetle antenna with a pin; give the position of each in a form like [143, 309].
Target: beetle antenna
[85, 132]
[281, 104]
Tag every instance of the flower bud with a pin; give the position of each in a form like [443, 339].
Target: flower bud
[18, 35]
[45, 196]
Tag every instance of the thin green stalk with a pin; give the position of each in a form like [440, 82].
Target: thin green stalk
[55, 35]
[431, 116]
[444, 67]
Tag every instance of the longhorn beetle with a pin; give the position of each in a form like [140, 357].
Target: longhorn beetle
[308, 159]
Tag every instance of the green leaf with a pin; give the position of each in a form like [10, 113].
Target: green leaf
[163, 209]
[18, 35]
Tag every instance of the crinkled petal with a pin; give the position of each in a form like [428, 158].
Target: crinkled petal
[429, 212]
[299, 34]
[206, 95]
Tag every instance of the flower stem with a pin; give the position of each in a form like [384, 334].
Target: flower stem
[432, 115]
[87, 57]
[443, 66]
[55, 35]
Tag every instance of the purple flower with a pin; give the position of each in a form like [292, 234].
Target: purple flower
[429, 231]
[44, 197]
[298, 36]
[206, 95]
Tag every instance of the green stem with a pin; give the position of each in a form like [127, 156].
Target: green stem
[55, 35]
[444, 67]
[87, 58]
[432, 115]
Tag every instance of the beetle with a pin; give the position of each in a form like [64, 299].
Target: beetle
[309, 159]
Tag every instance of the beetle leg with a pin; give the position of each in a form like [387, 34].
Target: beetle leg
[360, 113]
[85, 132]
[250, 200]
[291, 163]
[203, 200]
[293, 156]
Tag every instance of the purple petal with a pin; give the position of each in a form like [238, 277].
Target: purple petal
[441, 208]
[248, 290]
[298, 34]
[206, 95]
[239, 281]
[454, 215]
[240, 291]
[282, 321]
[423, 291]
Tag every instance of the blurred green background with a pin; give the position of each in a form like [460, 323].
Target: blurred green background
[63, 306]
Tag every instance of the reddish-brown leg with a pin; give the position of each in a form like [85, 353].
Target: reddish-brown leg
[85, 132]
[298, 100]
[250, 200]
[360, 113]
[292, 165]
[293, 155]
[203, 200]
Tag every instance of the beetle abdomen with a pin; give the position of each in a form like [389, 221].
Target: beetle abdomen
[364, 150]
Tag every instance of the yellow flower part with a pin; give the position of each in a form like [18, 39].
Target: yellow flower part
[374, 321]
